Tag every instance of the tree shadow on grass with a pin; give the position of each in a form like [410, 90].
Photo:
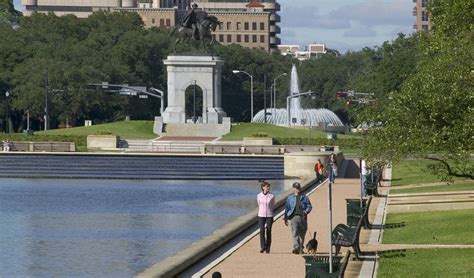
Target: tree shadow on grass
[395, 253]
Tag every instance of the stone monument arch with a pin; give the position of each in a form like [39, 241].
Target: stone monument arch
[186, 70]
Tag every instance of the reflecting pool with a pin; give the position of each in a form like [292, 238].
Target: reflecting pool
[110, 228]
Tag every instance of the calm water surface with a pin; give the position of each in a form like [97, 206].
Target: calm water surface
[110, 228]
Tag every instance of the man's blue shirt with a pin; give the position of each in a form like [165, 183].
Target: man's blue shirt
[291, 203]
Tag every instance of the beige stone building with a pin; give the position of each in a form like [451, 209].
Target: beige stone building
[422, 20]
[314, 50]
[249, 23]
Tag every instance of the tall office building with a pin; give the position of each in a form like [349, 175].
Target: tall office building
[422, 20]
[250, 23]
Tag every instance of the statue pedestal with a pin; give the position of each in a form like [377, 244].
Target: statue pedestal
[189, 70]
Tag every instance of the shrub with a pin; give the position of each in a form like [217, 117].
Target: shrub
[260, 134]
[79, 140]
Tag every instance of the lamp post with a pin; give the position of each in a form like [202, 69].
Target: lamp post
[7, 126]
[288, 106]
[251, 91]
[274, 96]
[46, 92]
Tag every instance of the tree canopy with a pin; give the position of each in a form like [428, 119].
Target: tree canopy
[115, 47]
[432, 115]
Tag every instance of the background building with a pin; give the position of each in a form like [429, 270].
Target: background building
[422, 20]
[313, 50]
[249, 23]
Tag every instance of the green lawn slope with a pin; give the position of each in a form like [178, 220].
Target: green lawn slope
[124, 129]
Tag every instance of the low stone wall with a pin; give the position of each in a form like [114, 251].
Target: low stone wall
[301, 164]
[23, 146]
[255, 141]
[102, 141]
[172, 266]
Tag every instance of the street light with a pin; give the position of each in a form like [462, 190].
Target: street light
[251, 90]
[288, 106]
[7, 129]
[274, 96]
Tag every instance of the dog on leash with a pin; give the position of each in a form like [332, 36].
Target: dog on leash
[312, 245]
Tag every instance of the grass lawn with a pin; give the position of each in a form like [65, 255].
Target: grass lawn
[440, 227]
[241, 130]
[413, 172]
[427, 263]
[125, 129]
[436, 188]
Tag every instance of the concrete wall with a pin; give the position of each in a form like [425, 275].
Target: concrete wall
[301, 164]
[102, 141]
[208, 130]
[256, 141]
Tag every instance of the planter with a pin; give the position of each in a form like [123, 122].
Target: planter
[257, 141]
[102, 141]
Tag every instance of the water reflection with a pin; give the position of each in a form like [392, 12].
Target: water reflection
[100, 228]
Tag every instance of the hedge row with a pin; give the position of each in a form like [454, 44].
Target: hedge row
[342, 143]
[79, 140]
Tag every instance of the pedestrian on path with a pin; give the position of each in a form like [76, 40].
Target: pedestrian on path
[332, 168]
[318, 168]
[297, 207]
[266, 203]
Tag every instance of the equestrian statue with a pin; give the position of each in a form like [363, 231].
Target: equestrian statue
[195, 27]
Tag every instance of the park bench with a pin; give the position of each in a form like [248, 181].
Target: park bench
[346, 236]
[372, 181]
[357, 211]
[318, 266]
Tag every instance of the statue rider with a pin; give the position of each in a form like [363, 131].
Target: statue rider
[190, 21]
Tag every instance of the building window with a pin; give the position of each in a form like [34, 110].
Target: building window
[168, 22]
[239, 26]
[246, 38]
[262, 38]
[424, 3]
[254, 38]
[246, 26]
[239, 38]
[152, 21]
[221, 38]
[229, 38]
[424, 16]
[262, 25]
[254, 25]
[424, 27]
[162, 22]
[229, 26]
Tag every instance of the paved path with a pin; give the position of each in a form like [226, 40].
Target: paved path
[247, 260]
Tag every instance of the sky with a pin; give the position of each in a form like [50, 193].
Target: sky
[341, 24]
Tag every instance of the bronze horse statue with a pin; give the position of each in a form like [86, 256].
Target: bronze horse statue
[205, 26]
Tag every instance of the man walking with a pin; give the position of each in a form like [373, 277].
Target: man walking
[297, 208]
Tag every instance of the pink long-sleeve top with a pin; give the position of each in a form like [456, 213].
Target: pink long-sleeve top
[266, 203]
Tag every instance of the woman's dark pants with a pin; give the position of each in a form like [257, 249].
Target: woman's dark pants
[265, 237]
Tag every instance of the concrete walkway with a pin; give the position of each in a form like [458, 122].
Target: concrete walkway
[247, 261]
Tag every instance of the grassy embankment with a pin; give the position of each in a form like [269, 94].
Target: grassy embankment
[438, 227]
[124, 129]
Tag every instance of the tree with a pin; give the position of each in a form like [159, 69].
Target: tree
[432, 115]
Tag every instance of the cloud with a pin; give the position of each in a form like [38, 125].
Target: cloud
[360, 31]
[375, 13]
[368, 13]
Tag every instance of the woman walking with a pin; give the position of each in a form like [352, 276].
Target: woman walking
[332, 168]
[266, 202]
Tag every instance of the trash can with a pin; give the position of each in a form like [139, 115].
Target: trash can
[332, 136]
[318, 266]
[28, 132]
[353, 207]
